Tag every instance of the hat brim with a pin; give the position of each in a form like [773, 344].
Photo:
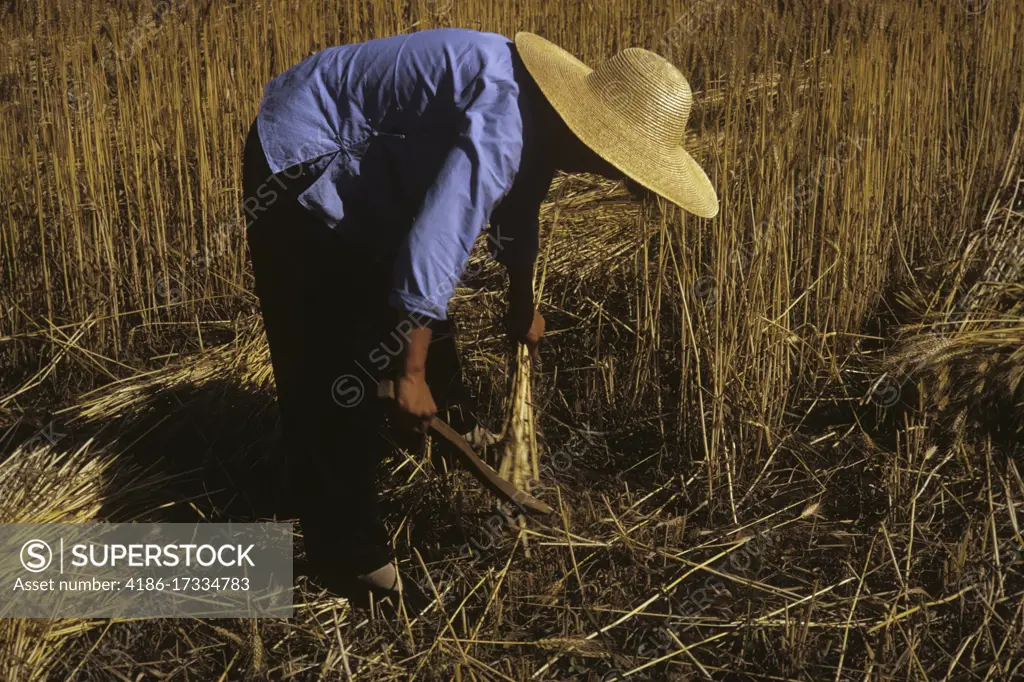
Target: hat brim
[671, 173]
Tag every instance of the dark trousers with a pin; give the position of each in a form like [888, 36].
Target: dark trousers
[332, 337]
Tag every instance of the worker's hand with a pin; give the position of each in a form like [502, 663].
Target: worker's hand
[523, 323]
[526, 326]
[534, 335]
[415, 400]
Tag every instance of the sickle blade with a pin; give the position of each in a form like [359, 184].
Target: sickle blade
[487, 476]
[483, 473]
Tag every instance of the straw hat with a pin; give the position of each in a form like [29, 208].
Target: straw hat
[631, 110]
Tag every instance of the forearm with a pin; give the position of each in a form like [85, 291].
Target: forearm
[414, 359]
[411, 390]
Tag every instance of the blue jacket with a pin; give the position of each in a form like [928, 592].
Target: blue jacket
[414, 141]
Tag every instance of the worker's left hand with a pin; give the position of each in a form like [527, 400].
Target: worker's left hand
[528, 333]
[535, 334]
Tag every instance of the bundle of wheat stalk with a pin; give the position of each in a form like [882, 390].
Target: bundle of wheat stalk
[44, 484]
[521, 463]
[968, 358]
[247, 360]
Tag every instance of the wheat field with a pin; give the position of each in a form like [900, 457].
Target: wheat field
[785, 443]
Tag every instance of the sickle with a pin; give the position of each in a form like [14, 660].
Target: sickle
[487, 476]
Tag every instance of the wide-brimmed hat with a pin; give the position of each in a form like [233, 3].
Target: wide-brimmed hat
[631, 110]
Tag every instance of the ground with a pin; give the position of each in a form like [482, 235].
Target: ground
[783, 444]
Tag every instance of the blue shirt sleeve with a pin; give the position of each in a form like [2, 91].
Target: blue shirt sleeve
[476, 174]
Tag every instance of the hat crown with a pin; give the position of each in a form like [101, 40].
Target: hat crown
[647, 92]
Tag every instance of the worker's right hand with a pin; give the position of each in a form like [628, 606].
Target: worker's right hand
[415, 400]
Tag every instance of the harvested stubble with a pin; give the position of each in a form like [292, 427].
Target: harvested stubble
[661, 571]
[42, 483]
[728, 508]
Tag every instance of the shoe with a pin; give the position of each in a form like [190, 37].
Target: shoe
[382, 584]
[384, 580]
